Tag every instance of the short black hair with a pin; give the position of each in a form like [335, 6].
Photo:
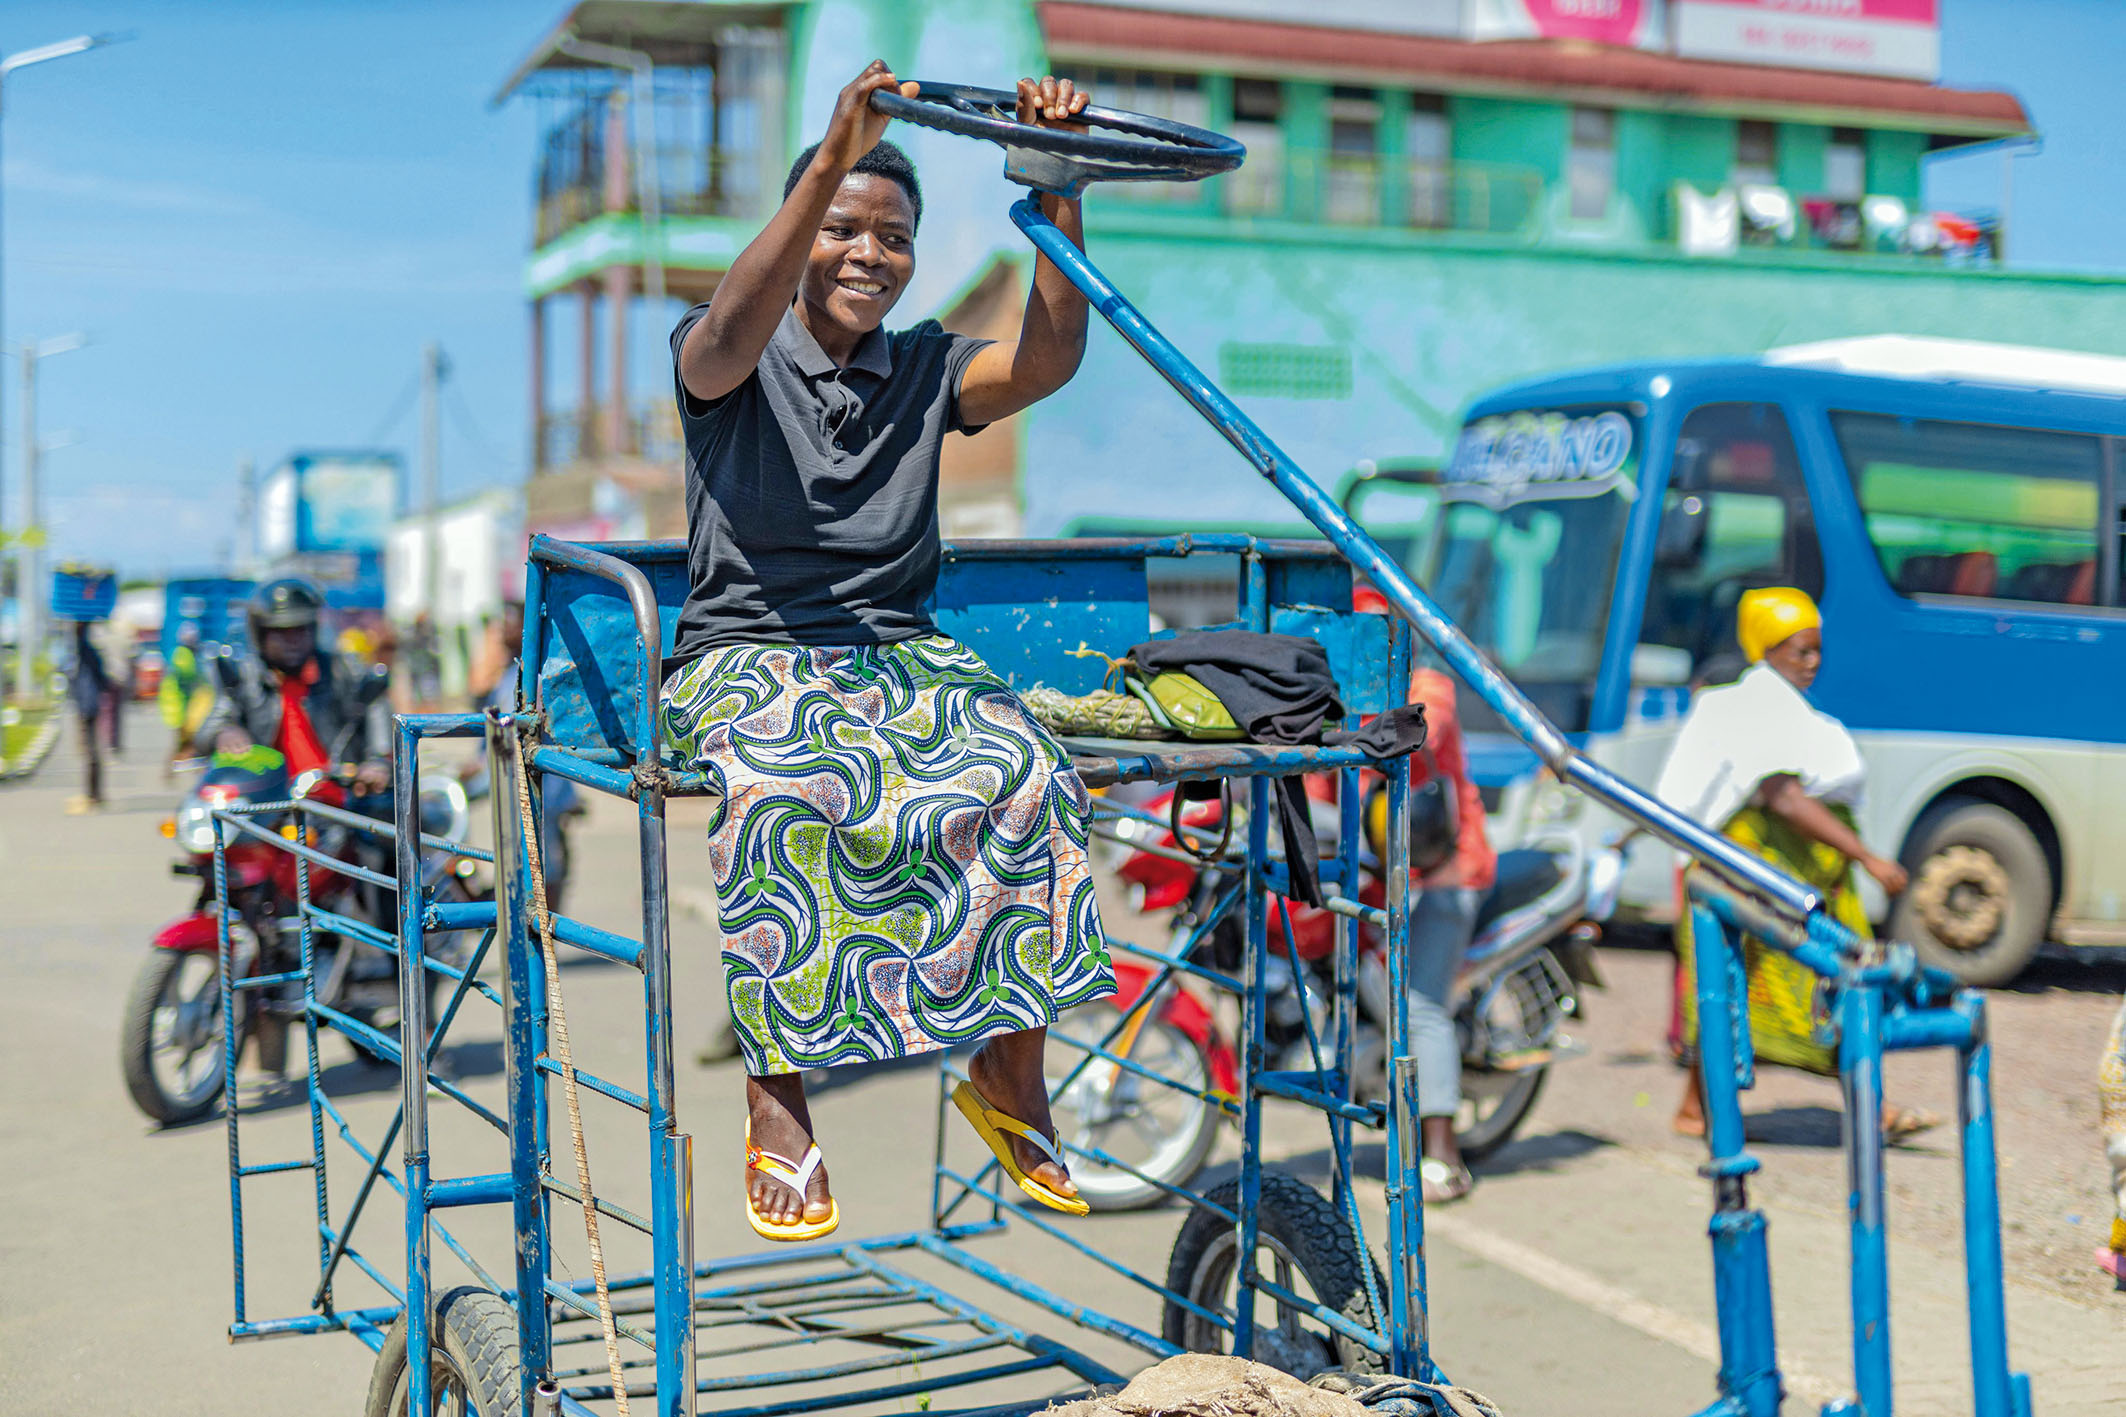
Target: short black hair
[884, 160]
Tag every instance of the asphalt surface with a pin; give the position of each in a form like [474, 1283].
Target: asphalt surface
[1575, 1280]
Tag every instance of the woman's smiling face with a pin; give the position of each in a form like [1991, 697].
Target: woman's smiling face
[861, 261]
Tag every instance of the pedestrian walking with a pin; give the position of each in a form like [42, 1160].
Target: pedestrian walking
[88, 689]
[1757, 762]
[899, 849]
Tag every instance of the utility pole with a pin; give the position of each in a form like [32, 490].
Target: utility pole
[433, 370]
[30, 588]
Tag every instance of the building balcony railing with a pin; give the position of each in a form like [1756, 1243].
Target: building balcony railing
[1362, 190]
[692, 181]
[652, 434]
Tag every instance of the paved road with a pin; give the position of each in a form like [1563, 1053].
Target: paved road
[1575, 1279]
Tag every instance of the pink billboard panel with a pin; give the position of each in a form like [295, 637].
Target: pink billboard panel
[1891, 37]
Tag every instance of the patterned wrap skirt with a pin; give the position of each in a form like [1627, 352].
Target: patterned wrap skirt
[899, 850]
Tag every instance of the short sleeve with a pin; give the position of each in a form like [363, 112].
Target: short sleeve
[689, 406]
[960, 351]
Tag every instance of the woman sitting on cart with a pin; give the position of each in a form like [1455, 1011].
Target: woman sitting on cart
[899, 849]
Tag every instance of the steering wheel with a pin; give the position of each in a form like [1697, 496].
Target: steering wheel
[1137, 147]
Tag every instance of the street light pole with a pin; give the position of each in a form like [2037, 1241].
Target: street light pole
[29, 561]
[25, 593]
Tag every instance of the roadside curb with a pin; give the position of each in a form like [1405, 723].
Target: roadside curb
[40, 749]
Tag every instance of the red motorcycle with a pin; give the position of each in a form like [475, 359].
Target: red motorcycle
[1522, 977]
[171, 1040]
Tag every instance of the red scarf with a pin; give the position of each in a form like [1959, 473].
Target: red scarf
[298, 740]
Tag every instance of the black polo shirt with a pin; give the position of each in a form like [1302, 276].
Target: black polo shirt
[812, 490]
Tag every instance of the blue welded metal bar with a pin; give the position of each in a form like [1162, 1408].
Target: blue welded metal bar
[603, 1206]
[1925, 1028]
[449, 915]
[237, 818]
[306, 940]
[902, 1358]
[602, 1086]
[1468, 662]
[1288, 1086]
[1993, 1387]
[489, 1189]
[315, 1323]
[571, 764]
[1860, 1073]
[1742, 1279]
[1254, 1062]
[230, 1039]
[603, 943]
[1027, 1216]
[523, 1023]
[1407, 1307]
[860, 1258]
[371, 827]
[1321, 1313]
[881, 1394]
[567, 1295]
[1085, 1318]
[267, 981]
[413, 1032]
[271, 1168]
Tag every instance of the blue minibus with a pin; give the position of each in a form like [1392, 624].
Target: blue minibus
[1955, 508]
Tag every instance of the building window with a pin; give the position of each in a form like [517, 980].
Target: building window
[1972, 509]
[1352, 193]
[1258, 187]
[1591, 169]
[1845, 165]
[1428, 147]
[1756, 155]
[1160, 93]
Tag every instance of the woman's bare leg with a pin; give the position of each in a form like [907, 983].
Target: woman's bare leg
[1007, 1072]
[782, 1123]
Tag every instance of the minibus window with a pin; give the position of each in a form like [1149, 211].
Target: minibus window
[1975, 510]
[1735, 518]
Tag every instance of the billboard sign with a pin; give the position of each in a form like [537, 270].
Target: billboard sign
[345, 501]
[1901, 38]
[1628, 22]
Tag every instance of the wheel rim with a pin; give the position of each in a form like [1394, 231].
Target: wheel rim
[185, 1037]
[1131, 1118]
[1962, 896]
[1290, 1345]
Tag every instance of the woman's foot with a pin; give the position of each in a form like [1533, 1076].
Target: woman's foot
[1901, 1124]
[1006, 1071]
[1689, 1120]
[1442, 1181]
[779, 1122]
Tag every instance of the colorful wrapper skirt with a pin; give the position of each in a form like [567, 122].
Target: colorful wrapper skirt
[1790, 1013]
[899, 850]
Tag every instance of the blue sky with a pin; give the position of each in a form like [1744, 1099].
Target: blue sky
[259, 212]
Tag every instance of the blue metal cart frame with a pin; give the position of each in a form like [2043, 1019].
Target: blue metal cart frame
[597, 621]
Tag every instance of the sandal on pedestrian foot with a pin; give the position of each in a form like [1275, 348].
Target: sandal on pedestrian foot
[797, 1176]
[1442, 1183]
[1901, 1124]
[992, 1126]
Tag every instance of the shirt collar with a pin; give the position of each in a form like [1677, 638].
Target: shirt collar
[874, 353]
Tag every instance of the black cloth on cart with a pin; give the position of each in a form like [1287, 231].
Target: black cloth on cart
[1280, 689]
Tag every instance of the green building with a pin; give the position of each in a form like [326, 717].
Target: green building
[1440, 196]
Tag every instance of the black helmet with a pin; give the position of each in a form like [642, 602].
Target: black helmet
[285, 603]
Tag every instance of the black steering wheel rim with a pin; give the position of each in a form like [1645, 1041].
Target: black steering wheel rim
[1149, 148]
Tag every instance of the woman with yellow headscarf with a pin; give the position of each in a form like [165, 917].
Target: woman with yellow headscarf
[1757, 762]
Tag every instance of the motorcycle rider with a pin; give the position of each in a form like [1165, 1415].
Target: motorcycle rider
[316, 708]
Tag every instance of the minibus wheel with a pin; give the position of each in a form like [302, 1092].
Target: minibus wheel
[1981, 892]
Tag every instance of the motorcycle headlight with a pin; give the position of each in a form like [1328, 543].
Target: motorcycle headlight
[195, 828]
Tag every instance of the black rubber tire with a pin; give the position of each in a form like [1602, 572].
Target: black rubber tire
[475, 1347]
[136, 1042]
[1492, 1132]
[1319, 1240]
[2025, 903]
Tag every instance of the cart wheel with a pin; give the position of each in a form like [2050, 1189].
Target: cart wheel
[473, 1360]
[1306, 1247]
[170, 1046]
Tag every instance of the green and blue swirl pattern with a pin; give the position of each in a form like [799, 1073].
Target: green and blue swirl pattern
[899, 850]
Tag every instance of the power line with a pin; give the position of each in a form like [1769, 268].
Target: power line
[468, 427]
[399, 409]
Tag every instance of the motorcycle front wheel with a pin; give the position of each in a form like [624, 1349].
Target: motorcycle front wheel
[1494, 1104]
[170, 1045]
[1167, 1132]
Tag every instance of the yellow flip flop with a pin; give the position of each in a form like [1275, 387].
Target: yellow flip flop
[795, 1175]
[991, 1125]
